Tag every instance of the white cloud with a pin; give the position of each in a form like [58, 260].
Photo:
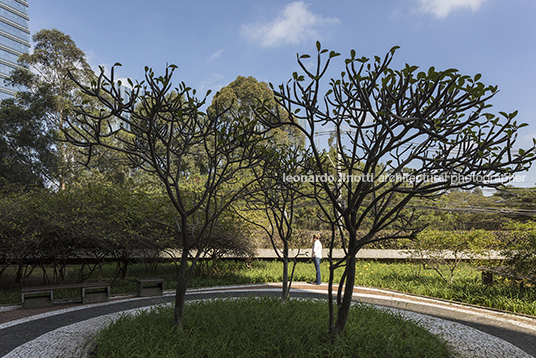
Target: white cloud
[294, 25]
[215, 55]
[441, 8]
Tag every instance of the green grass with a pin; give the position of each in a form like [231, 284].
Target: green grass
[265, 328]
[405, 277]
[467, 286]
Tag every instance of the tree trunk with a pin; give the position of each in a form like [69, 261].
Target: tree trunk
[330, 292]
[284, 294]
[180, 291]
[344, 308]
[349, 273]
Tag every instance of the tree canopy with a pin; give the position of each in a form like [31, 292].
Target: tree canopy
[402, 134]
[27, 152]
[242, 96]
[158, 128]
[54, 55]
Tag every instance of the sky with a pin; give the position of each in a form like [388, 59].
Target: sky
[213, 42]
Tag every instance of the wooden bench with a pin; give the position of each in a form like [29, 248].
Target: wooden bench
[42, 296]
[150, 287]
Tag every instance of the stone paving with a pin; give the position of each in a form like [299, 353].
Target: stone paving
[473, 331]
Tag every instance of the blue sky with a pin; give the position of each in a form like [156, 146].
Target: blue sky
[213, 42]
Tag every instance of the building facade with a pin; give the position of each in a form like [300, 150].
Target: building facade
[14, 39]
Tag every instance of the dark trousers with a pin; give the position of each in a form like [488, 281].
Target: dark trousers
[316, 260]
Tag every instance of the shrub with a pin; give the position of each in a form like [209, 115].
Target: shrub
[442, 251]
[520, 250]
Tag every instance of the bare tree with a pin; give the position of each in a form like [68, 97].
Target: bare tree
[201, 159]
[276, 199]
[401, 134]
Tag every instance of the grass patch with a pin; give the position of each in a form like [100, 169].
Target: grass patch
[405, 277]
[263, 327]
[467, 286]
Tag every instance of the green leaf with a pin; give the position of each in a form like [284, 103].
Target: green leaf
[333, 54]
[318, 46]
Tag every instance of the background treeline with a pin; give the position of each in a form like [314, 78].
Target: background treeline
[92, 222]
[96, 220]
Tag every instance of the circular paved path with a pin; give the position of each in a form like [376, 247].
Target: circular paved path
[474, 331]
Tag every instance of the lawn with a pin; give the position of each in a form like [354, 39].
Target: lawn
[263, 327]
[404, 277]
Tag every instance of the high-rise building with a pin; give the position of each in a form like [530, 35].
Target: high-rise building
[14, 39]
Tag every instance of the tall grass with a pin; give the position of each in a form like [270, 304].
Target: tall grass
[266, 328]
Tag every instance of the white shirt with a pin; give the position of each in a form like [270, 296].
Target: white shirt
[317, 249]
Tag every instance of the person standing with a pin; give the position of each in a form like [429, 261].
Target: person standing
[317, 256]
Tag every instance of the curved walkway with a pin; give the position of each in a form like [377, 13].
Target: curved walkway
[473, 331]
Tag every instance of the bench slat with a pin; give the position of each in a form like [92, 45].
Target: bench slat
[66, 286]
[150, 280]
[44, 301]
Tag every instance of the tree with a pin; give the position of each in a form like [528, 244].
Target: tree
[402, 135]
[159, 137]
[277, 199]
[243, 95]
[53, 56]
[27, 154]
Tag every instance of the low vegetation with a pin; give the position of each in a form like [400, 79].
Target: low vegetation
[265, 328]
[466, 287]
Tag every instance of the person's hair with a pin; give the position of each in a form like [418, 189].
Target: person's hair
[316, 236]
